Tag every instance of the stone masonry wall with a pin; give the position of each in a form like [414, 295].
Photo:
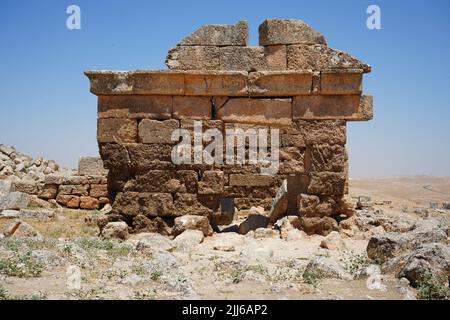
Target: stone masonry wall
[292, 82]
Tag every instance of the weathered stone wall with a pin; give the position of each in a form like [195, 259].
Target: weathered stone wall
[292, 82]
[85, 189]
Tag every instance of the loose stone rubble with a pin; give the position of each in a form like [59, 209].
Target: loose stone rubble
[39, 182]
[293, 82]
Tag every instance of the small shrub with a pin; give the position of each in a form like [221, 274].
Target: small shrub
[155, 275]
[3, 294]
[312, 277]
[432, 287]
[22, 266]
[356, 263]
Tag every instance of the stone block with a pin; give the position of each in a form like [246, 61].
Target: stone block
[188, 204]
[216, 83]
[78, 190]
[327, 183]
[326, 157]
[89, 203]
[136, 82]
[296, 184]
[193, 58]
[68, 200]
[254, 180]
[340, 82]
[26, 186]
[323, 132]
[48, 192]
[98, 190]
[256, 111]
[326, 107]
[154, 131]
[321, 58]
[253, 58]
[211, 182]
[198, 108]
[280, 83]
[116, 130]
[219, 35]
[14, 201]
[292, 160]
[91, 166]
[280, 203]
[148, 204]
[288, 31]
[135, 106]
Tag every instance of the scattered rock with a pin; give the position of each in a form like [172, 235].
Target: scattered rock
[115, 230]
[333, 241]
[153, 242]
[264, 233]
[9, 214]
[375, 279]
[253, 222]
[364, 202]
[20, 228]
[327, 268]
[432, 257]
[190, 222]
[14, 201]
[188, 239]
[280, 203]
[315, 225]
[260, 254]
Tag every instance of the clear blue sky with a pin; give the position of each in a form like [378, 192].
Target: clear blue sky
[46, 107]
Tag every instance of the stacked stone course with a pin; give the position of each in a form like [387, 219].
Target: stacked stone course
[292, 82]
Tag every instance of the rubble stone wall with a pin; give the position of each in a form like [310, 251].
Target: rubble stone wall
[292, 82]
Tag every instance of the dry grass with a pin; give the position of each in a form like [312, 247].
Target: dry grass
[67, 224]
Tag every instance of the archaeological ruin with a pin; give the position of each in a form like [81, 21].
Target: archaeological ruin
[292, 82]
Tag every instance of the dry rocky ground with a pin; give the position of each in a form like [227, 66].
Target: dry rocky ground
[393, 247]
[269, 263]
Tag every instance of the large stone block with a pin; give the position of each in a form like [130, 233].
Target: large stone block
[332, 82]
[292, 160]
[326, 107]
[288, 31]
[326, 157]
[68, 201]
[251, 180]
[98, 191]
[114, 156]
[89, 203]
[188, 204]
[253, 58]
[198, 108]
[279, 83]
[211, 182]
[193, 58]
[91, 166]
[148, 204]
[323, 132]
[144, 157]
[216, 83]
[135, 106]
[219, 35]
[320, 57]
[136, 82]
[116, 130]
[256, 111]
[154, 131]
[327, 183]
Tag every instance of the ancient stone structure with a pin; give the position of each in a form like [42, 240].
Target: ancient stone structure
[293, 82]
